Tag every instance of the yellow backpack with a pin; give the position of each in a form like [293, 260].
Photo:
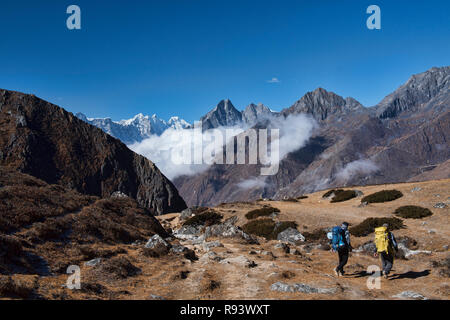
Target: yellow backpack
[382, 239]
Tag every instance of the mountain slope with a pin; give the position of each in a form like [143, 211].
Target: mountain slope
[415, 93]
[352, 146]
[45, 141]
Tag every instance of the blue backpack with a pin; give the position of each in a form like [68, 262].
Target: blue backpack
[337, 238]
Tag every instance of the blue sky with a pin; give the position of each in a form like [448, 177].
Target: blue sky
[174, 57]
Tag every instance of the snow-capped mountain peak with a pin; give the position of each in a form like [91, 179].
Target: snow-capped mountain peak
[136, 129]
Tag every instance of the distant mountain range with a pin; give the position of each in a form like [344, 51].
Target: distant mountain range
[136, 129]
[403, 138]
[141, 127]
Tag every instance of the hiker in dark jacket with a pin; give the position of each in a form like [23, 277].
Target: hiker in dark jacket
[387, 258]
[343, 251]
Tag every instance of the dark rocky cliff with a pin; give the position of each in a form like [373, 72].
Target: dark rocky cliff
[44, 140]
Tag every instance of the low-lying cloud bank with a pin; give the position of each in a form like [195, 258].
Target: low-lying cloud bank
[358, 167]
[179, 152]
[255, 182]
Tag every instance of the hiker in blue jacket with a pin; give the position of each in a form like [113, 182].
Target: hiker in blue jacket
[343, 248]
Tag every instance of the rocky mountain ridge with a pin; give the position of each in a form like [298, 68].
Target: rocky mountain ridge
[45, 141]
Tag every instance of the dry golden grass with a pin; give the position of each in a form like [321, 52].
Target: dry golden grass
[211, 277]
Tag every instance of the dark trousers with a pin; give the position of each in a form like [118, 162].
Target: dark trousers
[387, 260]
[343, 258]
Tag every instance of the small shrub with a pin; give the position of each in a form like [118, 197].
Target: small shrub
[302, 197]
[190, 255]
[290, 200]
[12, 288]
[330, 192]
[10, 246]
[93, 288]
[204, 219]
[382, 196]
[367, 226]
[183, 274]
[316, 235]
[344, 196]
[155, 252]
[287, 274]
[118, 267]
[262, 212]
[267, 228]
[51, 229]
[212, 285]
[413, 212]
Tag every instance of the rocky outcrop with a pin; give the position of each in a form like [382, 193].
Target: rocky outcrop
[223, 115]
[253, 113]
[44, 140]
[322, 104]
[415, 93]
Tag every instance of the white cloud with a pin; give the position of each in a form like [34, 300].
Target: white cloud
[358, 167]
[274, 80]
[168, 151]
[295, 131]
[255, 182]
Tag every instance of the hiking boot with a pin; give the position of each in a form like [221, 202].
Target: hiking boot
[385, 275]
[336, 272]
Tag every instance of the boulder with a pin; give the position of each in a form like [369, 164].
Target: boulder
[281, 287]
[178, 248]
[359, 193]
[304, 288]
[291, 235]
[363, 204]
[410, 295]
[190, 232]
[186, 214]
[93, 262]
[368, 247]
[157, 243]
[118, 194]
[283, 246]
[440, 205]
[300, 287]
[239, 260]
[227, 229]
[408, 253]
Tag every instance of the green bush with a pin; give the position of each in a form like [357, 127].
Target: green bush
[344, 196]
[330, 192]
[261, 212]
[413, 212]
[316, 235]
[382, 196]
[204, 219]
[368, 226]
[267, 228]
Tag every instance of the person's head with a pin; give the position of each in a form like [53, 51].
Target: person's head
[386, 225]
[344, 225]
